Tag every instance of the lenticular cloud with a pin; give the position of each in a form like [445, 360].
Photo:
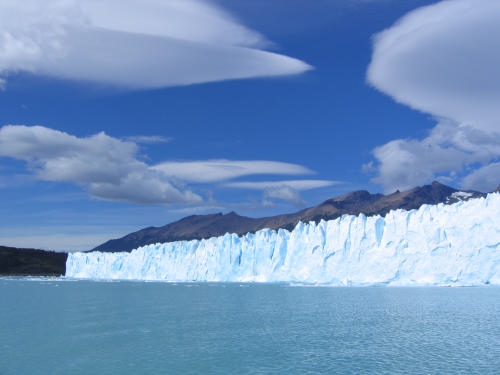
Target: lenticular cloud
[133, 44]
[443, 59]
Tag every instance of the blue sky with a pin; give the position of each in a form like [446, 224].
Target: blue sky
[125, 114]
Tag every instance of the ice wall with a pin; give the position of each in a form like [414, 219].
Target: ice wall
[455, 244]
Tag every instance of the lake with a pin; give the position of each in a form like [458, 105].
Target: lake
[60, 326]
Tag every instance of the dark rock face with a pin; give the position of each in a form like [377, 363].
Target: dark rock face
[31, 262]
[188, 228]
[206, 226]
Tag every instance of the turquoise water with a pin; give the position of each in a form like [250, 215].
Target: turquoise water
[52, 326]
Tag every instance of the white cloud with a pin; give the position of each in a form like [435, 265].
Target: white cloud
[285, 193]
[448, 152]
[133, 43]
[194, 20]
[486, 178]
[107, 166]
[443, 59]
[298, 185]
[144, 187]
[205, 171]
[110, 168]
[284, 190]
[58, 156]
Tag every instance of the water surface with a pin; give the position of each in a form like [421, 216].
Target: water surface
[56, 326]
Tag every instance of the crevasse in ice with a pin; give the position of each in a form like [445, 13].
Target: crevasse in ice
[456, 244]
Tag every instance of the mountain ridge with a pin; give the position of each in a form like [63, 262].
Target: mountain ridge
[354, 203]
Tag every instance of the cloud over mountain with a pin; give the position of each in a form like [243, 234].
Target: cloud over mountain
[288, 190]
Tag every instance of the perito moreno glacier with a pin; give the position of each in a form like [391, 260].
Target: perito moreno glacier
[456, 244]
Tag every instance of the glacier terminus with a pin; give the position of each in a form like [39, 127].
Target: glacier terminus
[456, 245]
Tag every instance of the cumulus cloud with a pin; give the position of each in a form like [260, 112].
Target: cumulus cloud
[448, 153]
[284, 190]
[111, 169]
[442, 59]
[205, 171]
[133, 43]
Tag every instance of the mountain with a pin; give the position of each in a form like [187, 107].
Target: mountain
[213, 225]
[24, 262]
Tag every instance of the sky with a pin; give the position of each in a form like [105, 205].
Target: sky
[124, 114]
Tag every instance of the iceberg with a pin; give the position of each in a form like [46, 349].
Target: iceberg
[457, 245]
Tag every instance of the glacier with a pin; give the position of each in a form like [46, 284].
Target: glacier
[456, 245]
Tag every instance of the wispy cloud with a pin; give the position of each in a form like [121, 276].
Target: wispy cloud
[133, 43]
[204, 171]
[149, 139]
[15, 180]
[298, 185]
[485, 178]
[442, 59]
[284, 190]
